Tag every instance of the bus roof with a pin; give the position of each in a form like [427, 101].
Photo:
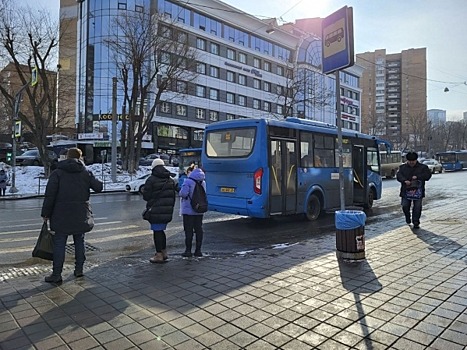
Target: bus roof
[292, 123]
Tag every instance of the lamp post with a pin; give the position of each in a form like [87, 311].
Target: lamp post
[13, 188]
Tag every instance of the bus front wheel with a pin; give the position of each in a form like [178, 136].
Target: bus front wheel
[313, 208]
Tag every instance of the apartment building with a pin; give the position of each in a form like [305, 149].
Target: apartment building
[394, 97]
[244, 70]
[436, 117]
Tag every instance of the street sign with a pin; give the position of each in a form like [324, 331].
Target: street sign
[337, 40]
[17, 128]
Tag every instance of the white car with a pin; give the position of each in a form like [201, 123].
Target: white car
[137, 185]
[433, 165]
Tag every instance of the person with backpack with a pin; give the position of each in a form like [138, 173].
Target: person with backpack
[193, 207]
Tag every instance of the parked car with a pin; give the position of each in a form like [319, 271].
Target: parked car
[434, 165]
[137, 185]
[147, 161]
[31, 157]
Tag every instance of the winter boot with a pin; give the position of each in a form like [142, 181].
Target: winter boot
[164, 254]
[157, 259]
[53, 279]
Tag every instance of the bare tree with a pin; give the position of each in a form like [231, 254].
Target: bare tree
[29, 39]
[153, 58]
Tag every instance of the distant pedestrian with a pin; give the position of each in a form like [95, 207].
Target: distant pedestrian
[3, 182]
[159, 193]
[192, 221]
[66, 205]
[412, 175]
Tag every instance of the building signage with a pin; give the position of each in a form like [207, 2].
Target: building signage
[337, 40]
[91, 136]
[108, 116]
[253, 71]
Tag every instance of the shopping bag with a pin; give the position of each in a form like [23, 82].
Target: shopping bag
[414, 191]
[45, 245]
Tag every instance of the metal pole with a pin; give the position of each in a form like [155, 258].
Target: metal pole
[339, 140]
[13, 188]
[114, 130]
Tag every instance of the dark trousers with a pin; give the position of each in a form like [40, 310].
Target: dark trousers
[2, 191]
[160, 240]
[59, 252]
[416, 210]
[193, 223]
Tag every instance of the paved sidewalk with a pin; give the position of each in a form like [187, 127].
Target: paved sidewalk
[410, 293]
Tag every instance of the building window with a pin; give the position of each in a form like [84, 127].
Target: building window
[230, 98]
[214, 94]
[280, 109]
[165, 107]
[214, 49]
[139, 8]
[230, 54]
[242, 58]
[256, 103]
[256, 63]
[267, 106]
[200, 91]
[267, 66]
[213, 116]
[200, 113]
[182, 37]
[214, 72]
[231, 76]
[181, 87]
[201, 44]
[280, 90]
[242, 100]
[229, 116]
[267, 86]
[201, 68]
[181, 110]
[242, 79]
[121, 6]
[280, 71]
[257, 83]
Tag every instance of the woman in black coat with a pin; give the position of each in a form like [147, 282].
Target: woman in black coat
[66, 205]
[159, 193]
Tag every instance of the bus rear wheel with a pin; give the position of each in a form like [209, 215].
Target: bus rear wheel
[313, 208]
[371, 199]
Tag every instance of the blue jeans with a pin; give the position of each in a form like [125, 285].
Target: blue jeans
[59, 252]
[416, 210]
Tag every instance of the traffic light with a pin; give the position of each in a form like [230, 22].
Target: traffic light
[8, 157]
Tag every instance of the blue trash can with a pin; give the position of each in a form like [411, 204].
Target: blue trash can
[350, 234]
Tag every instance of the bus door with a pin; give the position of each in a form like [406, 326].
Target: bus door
[283, 177]
[359, 168]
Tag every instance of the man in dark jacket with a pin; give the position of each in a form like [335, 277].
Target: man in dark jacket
[66, 205]
[412, 176]
[159, 193]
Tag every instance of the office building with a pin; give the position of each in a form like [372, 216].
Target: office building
[247, 68]
[436, 117]
[394, 96]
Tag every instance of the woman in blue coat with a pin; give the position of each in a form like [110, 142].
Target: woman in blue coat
[192, 221]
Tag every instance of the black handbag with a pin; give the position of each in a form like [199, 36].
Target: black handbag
[44, 248]
[146, 213]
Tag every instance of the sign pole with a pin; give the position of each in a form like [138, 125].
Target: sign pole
[339, 140]
[114, 130]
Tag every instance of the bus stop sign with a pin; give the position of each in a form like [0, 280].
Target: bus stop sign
[337, 40]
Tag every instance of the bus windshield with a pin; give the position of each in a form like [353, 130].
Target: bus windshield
[233, 143]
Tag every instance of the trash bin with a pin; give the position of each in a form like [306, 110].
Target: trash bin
[350, 234]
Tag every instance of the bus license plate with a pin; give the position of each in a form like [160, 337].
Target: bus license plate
[227, 189]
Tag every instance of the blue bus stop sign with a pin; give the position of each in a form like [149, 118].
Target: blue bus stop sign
[337, 40]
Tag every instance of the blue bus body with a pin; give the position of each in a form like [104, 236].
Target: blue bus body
[453, 160]
[262, 168]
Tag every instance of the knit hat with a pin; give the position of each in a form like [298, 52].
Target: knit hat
[411, 156]
[157, 162]
[74, 153]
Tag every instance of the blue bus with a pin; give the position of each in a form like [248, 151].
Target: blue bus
[187, 157]
[262, 168]
[453, 160]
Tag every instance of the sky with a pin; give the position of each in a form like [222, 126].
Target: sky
[394, 25]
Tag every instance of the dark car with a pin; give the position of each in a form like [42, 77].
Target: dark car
[147, 161]
[31, 157]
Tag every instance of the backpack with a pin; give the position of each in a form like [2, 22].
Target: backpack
[199, 200]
